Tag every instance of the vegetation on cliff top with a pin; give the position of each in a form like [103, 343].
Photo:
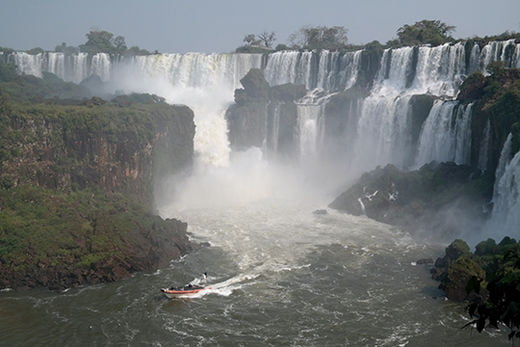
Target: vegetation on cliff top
[497, 98]
[425, 32]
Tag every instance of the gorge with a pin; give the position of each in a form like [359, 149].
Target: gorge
[304, 126]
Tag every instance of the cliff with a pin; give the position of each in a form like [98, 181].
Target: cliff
[264, 116]
[113, 148]
[496, 112]
[77, 189]
[439, 196]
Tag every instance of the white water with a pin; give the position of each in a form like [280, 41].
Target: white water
[444, 139]
[335, 71]
[205, 82]
[505, 219]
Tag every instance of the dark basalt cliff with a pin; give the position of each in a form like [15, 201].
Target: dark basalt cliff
[74, 183]
[425, 199]
[264, 116]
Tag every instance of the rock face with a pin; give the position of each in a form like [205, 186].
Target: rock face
[109, 147]
[455, 270]
[264, 116]
[76, 189]
[419, 199]
[495, 113]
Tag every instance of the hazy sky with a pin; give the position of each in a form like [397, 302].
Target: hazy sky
[220, 25]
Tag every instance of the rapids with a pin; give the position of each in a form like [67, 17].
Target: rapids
[280, 275]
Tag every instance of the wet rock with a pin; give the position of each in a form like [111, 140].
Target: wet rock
[439, 197]
[320, 212]
[424, 261]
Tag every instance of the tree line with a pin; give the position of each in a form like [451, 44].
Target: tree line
[98, 41]
[432, 32]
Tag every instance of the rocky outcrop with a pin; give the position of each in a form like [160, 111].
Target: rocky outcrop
[76, 189]
[456, 269]
[264, 116]
[419, 200]
[488, 276]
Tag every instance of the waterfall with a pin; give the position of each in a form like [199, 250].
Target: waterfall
[273, 129]
[474, 59]
[505, 156]
[506, 195]
[205, 82]
[379, 129]
[308, 123]
[396, 65]
[446, 134]
[101, 66]
[498, 51]
[329, 71]
[440, 70]
[29, 64]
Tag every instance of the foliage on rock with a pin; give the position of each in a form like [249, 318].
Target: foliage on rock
[489, 278]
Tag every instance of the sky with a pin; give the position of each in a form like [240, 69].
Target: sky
[220, 25]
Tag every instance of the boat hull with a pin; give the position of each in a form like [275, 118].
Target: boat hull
[172, 294]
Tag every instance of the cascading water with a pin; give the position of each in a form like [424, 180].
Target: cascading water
[505, 218]
[205, 82]
[446, 134]
[73, 68]
[329, 71]
[440, 70]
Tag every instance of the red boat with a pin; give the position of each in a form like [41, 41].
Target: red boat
[183, 292]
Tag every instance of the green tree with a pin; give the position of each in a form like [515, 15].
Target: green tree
[120, 45]
[320, 37]
[7, 71]
[251, 40]
[432, 32]
[99, 41]
[36, 50]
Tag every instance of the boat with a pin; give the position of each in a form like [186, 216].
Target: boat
[187, 291]
[183, 292]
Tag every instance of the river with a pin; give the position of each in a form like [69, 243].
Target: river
[280, 276]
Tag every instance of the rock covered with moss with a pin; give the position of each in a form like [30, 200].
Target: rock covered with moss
[496, 111]
[483, 276]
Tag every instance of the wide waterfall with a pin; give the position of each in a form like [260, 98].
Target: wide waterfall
[370, 129]
[346, 280]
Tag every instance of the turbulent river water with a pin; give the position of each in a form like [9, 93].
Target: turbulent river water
[280, 276]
